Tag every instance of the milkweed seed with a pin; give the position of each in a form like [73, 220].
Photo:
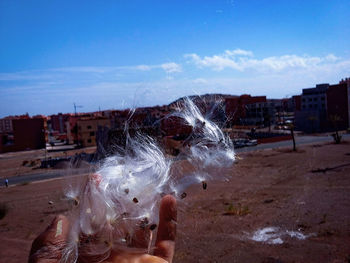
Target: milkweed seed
[153, 226]
[144, 222]
[204, 185]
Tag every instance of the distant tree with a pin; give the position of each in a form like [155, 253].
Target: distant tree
[293, 137]
[267, 120]
[335, 119]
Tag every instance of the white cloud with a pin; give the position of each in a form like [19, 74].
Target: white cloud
[143, 67]
[85, 69]
[239, 51]
[242, 60]
[54, 73]
[171, 67]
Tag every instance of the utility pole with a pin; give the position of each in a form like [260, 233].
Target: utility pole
[75, 108]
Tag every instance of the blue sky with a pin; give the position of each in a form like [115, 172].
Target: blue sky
[119, 54]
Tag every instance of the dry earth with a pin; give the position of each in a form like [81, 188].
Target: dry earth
[28, 162]
[306, 191]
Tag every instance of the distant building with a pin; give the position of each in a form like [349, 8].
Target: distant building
[236, 108]
[28, 134]
[58, 122]
[324, 108]
[6, 125]
[87, 129]
[313, 114]
[295, 103]
[72, 128]
[315, 99]
[338, 110]
[264, 113]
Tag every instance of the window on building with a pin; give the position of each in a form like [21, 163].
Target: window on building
[310, 99]
[89, 127]
[303, 100]
[315, 106]
[323, 106]
[89, 140]
[310, 106]
[315, 99]
[92, 133]
[323, 98]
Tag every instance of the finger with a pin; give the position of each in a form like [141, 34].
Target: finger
[51, 242]
[165, 243]
[133, 258]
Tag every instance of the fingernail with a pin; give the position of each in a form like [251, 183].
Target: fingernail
[59, 228]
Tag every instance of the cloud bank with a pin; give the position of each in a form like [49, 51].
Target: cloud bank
[244, 60]
[236, 72]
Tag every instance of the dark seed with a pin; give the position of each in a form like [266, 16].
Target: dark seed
[153, 226]
[76, 202]
[135, 200]
[204, 184]
[183, 195]
[125, 214]
[144, 222]
[126, 190]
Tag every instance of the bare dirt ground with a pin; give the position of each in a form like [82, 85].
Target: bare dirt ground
[306, 191]
[28, 162]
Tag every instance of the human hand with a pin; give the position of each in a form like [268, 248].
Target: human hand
[49, 245]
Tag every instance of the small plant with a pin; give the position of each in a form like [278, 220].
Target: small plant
[239, 210]
[293, 137]
[335, 119]
[337, 137]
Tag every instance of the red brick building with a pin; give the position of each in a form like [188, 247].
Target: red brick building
[236, 107]
[338, 105]
[296, 100]
[28, 134]
[58, 122]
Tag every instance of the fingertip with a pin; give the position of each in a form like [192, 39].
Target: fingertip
[168, 208]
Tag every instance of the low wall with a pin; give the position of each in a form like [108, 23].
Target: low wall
[275, 139]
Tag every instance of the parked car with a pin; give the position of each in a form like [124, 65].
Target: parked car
[243, 142]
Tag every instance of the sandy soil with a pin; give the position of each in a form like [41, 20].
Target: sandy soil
[305, 191]
[28, 162]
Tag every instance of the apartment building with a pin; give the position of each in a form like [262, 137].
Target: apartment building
[87, 129]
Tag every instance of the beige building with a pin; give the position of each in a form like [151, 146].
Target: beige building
[87, 129]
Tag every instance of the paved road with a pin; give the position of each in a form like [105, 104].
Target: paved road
[43, 176]
[300, 140]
